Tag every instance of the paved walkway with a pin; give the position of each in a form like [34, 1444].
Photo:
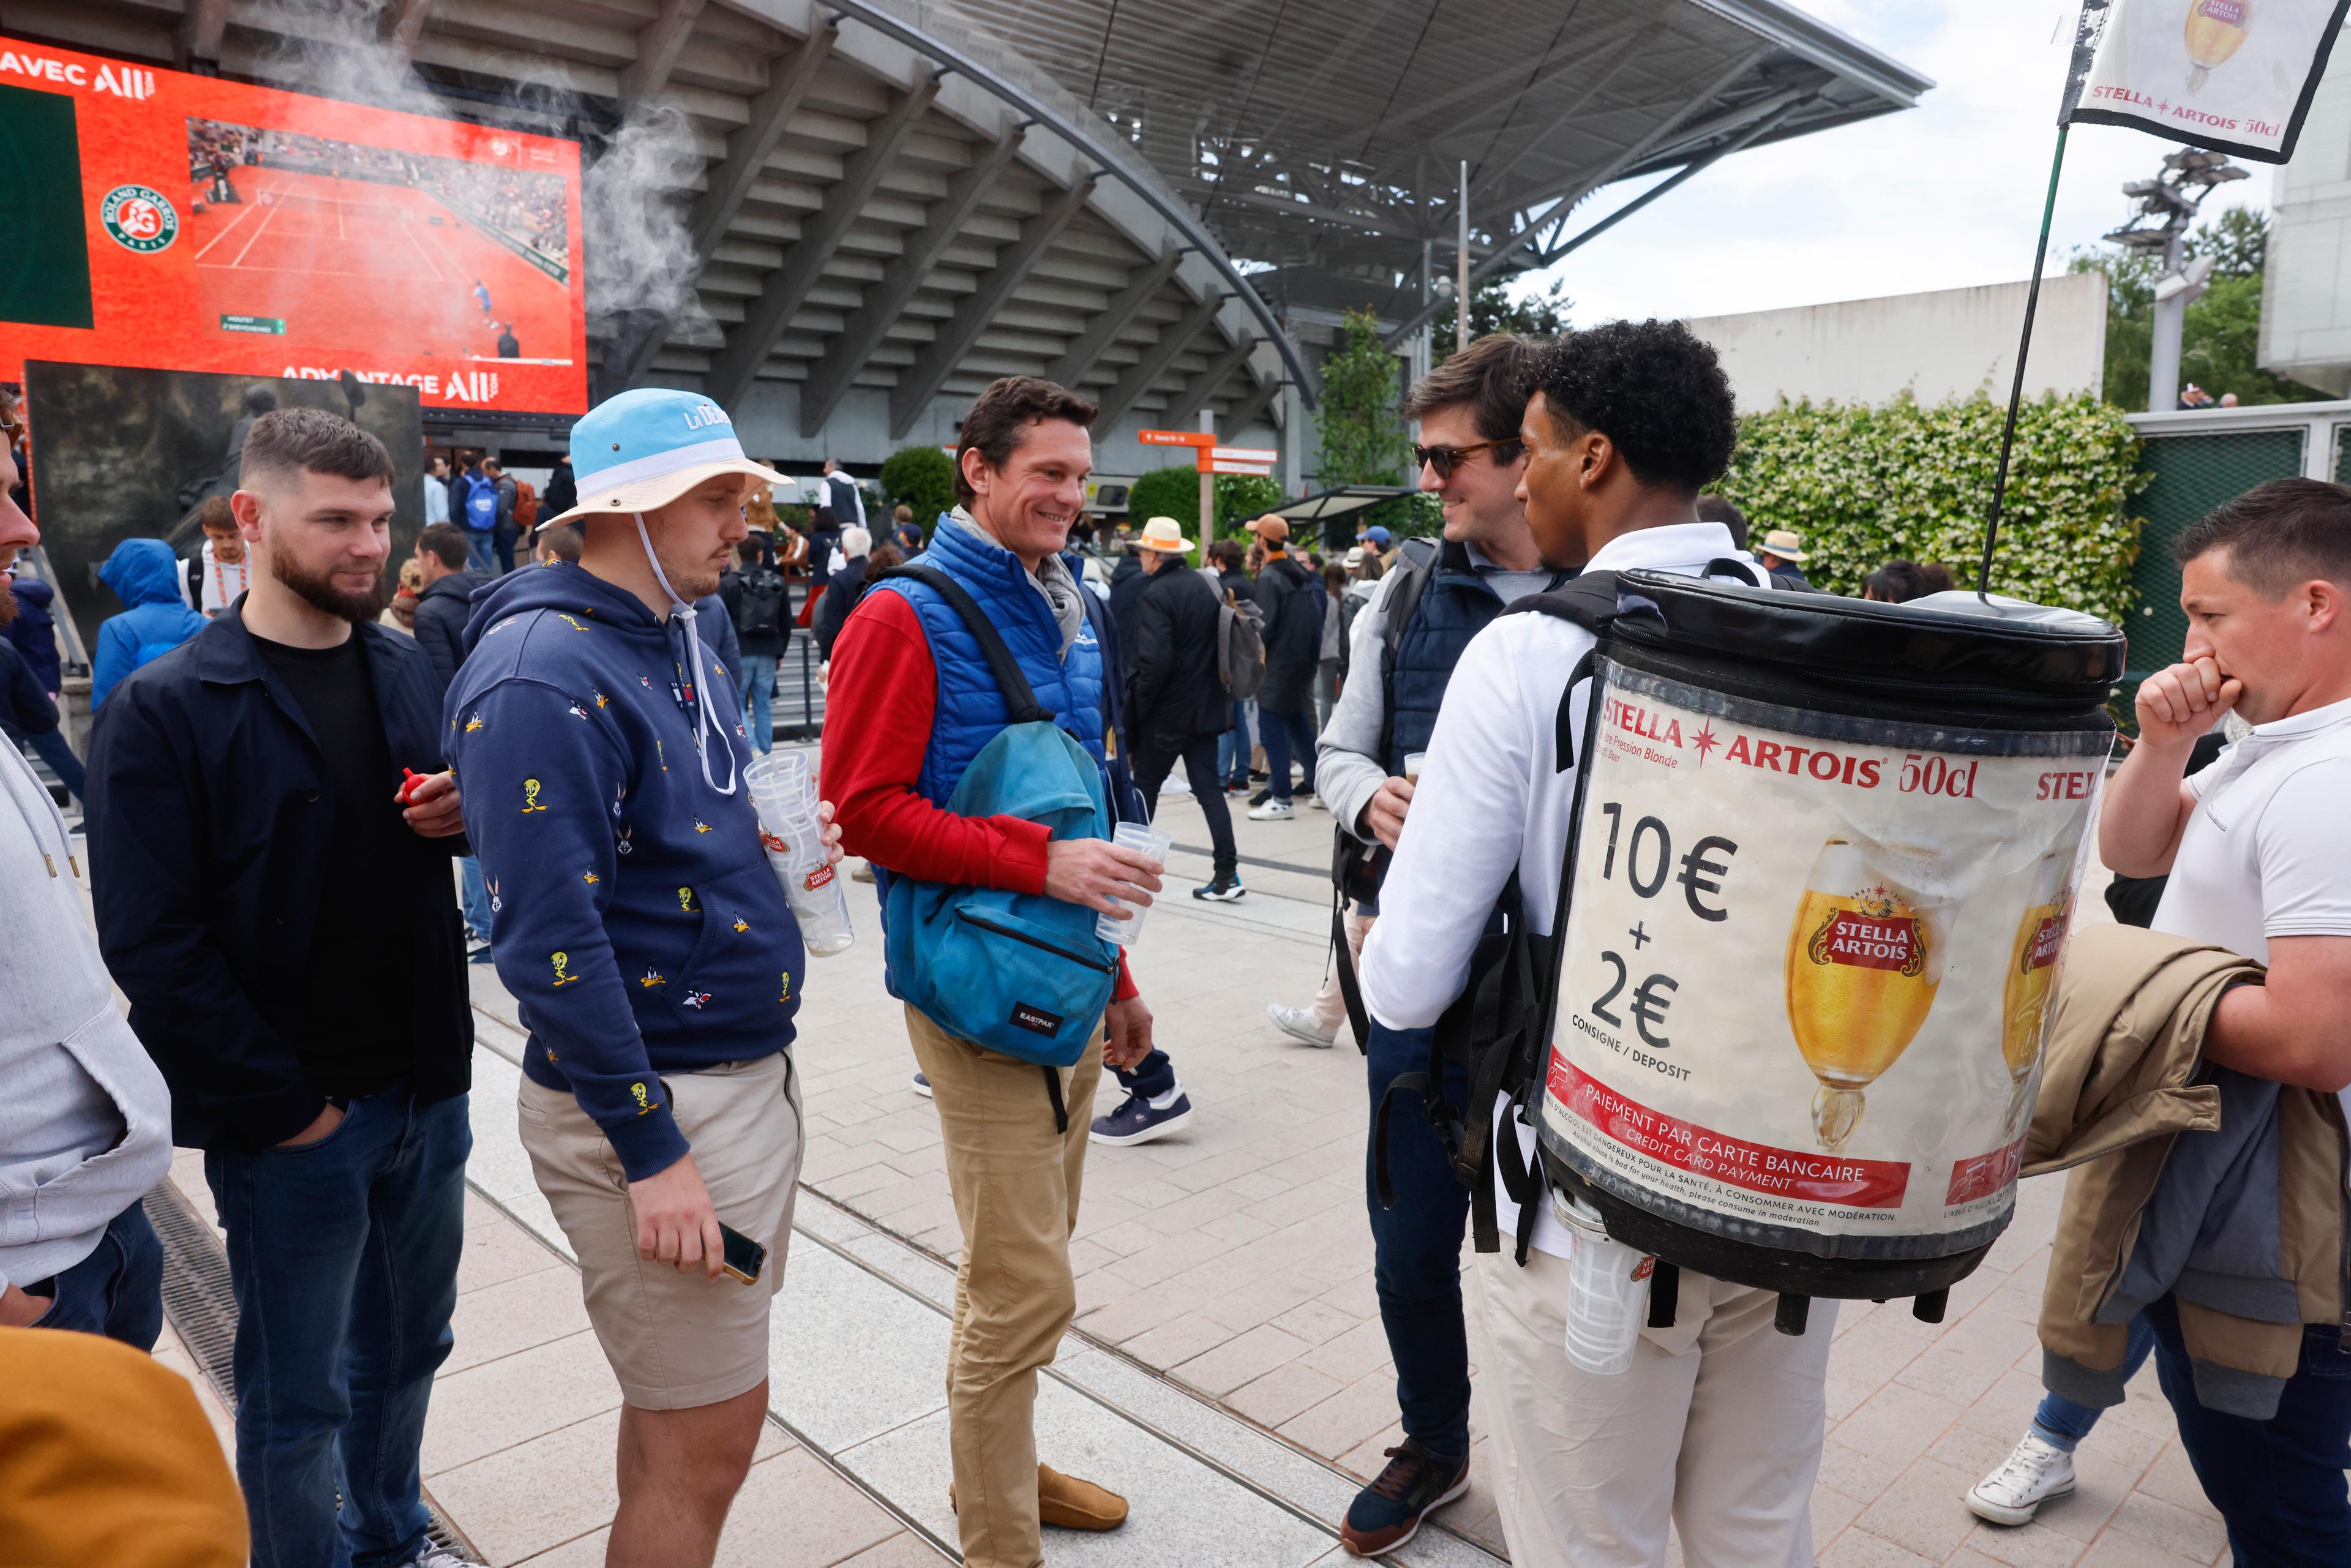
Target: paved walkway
[1228, 1368]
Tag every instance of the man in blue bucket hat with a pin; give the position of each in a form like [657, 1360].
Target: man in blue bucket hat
[655, 961]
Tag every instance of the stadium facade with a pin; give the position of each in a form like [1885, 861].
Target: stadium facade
[886, 203]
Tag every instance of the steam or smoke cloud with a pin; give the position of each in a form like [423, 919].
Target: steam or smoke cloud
[637, 177]
[640, 256]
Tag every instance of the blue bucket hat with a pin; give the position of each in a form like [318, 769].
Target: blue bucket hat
[647, 447]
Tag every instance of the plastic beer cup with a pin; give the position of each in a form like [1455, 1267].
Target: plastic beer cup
[1151, 841]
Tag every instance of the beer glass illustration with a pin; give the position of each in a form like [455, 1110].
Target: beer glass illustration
[1860, 979]
[2031, 965]
[2214, 30]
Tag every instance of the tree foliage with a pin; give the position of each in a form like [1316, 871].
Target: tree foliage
[921, 479]
[1176, 492]
[1912, 481]
[1363, 440]
[2221, 334]
[1492, 309]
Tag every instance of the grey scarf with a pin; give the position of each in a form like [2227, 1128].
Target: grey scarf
[1050, 578]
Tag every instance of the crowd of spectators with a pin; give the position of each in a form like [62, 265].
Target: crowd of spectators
[527, 207]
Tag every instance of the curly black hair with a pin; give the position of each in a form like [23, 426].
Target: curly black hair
[1654, 389]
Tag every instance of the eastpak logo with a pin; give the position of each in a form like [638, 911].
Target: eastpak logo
[1036, 1018]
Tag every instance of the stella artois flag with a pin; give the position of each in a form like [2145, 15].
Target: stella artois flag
[2235, 76]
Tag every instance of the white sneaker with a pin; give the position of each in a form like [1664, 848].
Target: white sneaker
[2035, 1471]
[1298, 1024]
[439, 1556]
[1273, 811]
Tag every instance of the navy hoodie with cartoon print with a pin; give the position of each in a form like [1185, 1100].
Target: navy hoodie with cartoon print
[632, 913]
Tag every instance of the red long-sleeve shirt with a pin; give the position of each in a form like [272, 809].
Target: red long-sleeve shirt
[881, 701]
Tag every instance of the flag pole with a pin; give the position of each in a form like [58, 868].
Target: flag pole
[2025, 344]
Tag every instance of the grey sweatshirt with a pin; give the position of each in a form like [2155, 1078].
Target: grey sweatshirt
[87, 1127]
[1348, 768]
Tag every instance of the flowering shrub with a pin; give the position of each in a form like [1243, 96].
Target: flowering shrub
[1865, 485]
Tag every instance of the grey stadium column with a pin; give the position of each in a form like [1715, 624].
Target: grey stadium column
[402, 21]
[1100, 332]
[201, 30]
[1256, 403]
[920, 381]
[1174, 339]
[748, 151]
[732, 367]
[830, 377]
[658, 47]
[1202, 387]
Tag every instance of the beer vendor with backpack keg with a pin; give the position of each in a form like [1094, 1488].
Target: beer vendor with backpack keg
[1746, 834]
[965, 748]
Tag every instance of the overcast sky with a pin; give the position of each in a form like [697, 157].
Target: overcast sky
[1944, 196]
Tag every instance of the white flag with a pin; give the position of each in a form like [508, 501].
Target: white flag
[2235, 76]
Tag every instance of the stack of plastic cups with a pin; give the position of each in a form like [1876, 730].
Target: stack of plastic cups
[1607, 1292]
[1152, 843]
[783, 792]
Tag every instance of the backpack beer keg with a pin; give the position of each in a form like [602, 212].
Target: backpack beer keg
[1824, 857]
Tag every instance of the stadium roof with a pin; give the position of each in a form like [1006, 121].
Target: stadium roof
[893, 201]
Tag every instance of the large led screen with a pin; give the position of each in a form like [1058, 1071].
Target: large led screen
[169, 221]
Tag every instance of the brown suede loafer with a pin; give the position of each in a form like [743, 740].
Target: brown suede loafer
[1066, 1502]
[1069, 1503]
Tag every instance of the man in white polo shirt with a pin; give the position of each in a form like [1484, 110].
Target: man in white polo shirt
[1625, 425]
[2259, 860]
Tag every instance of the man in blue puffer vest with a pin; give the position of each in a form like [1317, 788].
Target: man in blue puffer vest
[910, 703]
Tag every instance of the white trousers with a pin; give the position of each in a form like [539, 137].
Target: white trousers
[1716, 1427]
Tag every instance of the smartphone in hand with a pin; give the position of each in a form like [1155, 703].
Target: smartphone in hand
[744, 1258]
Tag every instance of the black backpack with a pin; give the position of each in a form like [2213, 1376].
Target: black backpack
[763, 595]
[1495, 1028]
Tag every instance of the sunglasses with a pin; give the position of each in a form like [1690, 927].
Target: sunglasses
[1443, 458]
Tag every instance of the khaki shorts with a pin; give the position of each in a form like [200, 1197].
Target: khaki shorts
[675, 1340]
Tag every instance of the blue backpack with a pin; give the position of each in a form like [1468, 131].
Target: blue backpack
[1019, 973]
[481, 503]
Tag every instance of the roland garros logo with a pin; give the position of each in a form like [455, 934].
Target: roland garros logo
[138, 218]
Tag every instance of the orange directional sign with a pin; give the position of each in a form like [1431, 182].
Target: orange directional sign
[1211, 458]
[1176, 438]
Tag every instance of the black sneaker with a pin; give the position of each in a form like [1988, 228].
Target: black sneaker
[1387, 1513]
[1224, 890]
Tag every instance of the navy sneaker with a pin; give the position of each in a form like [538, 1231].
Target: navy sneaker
[1136, 1123]
[1226, 889]
[1387, 1513]
[923, 1087]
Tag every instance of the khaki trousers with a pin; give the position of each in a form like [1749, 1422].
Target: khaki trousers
[1716, 1427]
[1016, 1182]
[1329, 1008]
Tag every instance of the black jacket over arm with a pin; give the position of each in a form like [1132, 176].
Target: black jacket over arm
[1174, 694]
[211, 820]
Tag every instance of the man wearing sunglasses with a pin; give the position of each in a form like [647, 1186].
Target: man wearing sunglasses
[1402, 652]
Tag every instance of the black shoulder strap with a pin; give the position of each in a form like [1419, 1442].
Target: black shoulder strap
[1589, 601]
[1021, 705]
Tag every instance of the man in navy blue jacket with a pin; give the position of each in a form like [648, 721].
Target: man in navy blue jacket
[655, 961]
[274, 895]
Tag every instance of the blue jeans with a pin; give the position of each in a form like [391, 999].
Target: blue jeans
[51, 747]
[759, 698]
[344, 1254]
[2064, 1424]
[1233, 749]
[501, 541]
[475, 898]
[478, 545]
[1416, 1250]
[2278, 1483]
[1288, 735]
[1150, 1077]
[118, 1289]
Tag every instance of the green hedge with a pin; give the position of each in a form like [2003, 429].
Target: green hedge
[1907, 480]
[1176, 492]
[921, 479]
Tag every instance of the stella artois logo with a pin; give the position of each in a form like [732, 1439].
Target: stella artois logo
[138, 218]
[1870, 938]
[2047, 938]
